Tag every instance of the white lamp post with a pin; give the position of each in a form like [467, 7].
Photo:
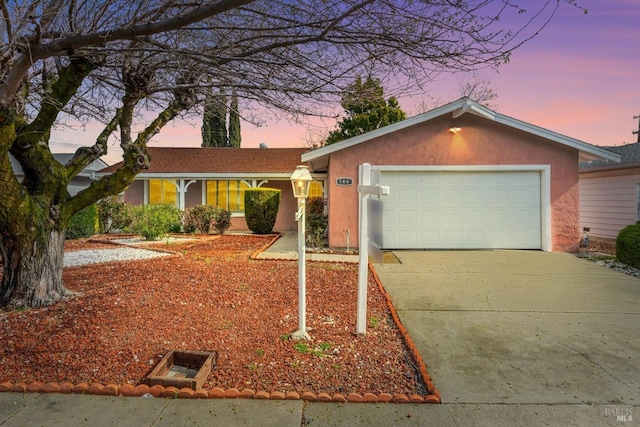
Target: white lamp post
[300, 181]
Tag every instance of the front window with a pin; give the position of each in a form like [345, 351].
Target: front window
[162, 191]
[227, 194]
[315, 189]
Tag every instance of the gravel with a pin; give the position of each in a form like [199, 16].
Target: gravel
[96, 256]
[618, 266]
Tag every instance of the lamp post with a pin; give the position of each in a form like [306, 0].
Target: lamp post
[300, 181]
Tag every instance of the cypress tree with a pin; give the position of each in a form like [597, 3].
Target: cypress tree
[214, 122]
[234, 122]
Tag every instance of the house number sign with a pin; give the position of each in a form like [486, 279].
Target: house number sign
[344, 182]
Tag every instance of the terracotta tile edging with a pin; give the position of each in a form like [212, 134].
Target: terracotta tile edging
[127, 390]
[433, 395]
[266, 246]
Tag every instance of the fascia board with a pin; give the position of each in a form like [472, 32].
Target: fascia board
[457, 109]
[217, 176]
[587, 150]
[394, 127]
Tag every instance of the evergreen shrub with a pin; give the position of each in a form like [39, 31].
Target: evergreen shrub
[261, 209]
[154, 221]
[317, 223]
[628, 245]
[83, 224]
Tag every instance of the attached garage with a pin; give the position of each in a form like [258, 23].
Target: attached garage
[463, 209]
[461, 176]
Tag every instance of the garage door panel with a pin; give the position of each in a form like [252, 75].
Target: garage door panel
[522, 197]
[475, 218]
[477, 198]
[429, 195]
[467, 210]
[450, 219]
[451, 198]
[476, 239]
[408, 196]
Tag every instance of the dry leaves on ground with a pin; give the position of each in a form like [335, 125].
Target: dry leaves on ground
[211, 296]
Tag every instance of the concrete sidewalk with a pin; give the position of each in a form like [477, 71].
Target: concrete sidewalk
[33, 409]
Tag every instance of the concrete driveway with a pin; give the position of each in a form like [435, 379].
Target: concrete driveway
[521, 327]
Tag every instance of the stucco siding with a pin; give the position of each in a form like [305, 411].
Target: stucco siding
[609, 201]
[193, 196]
[134, 194]
[478, 143]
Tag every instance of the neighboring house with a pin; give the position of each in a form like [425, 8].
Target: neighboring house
[79, 182]
[610, 192]
[188, 177]
[461, 177]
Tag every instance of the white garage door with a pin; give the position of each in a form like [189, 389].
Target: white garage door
[462, 210]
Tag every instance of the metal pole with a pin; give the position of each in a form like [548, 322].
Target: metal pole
[363, 266]
[301, 333]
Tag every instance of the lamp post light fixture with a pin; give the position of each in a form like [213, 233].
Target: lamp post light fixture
[300, 181]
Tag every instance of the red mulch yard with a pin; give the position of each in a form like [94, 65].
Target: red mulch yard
[211, 296]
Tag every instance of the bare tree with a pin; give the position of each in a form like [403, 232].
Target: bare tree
[315, 137]
[113, 60]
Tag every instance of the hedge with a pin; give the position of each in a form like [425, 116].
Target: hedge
[261, 209]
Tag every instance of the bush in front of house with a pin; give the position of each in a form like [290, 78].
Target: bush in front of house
[154, 221]
[206, 219]
[113, 214]
[261, 209]
[628, 245]
[317, 223]
[197, 219]
[221, 220]
[83, 224]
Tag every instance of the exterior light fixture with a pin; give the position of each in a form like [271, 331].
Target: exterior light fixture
[455, 129]
[300, 182]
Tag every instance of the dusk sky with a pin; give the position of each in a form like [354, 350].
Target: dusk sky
[580, 77]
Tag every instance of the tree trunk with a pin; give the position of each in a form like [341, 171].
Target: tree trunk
[32, 270]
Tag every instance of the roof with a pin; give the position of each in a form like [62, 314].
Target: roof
[319, 158]
[62, 158]
[629, 157]
[186, 162]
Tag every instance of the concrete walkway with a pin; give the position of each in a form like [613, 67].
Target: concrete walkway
[286, 247]
[510, 339]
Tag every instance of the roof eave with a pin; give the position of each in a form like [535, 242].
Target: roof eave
[587, 151]
[320, 157]
[214, 175]
[609, 167]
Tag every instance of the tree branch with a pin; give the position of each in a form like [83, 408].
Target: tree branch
[66, 85]
[65, 45]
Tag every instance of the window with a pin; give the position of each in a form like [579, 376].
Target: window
[162, 191]
[315, 189]
[227, 194]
